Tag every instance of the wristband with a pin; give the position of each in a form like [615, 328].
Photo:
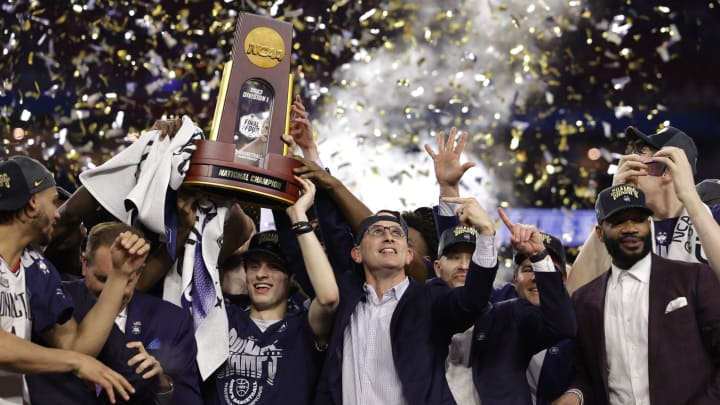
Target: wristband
[538, 256]
[301, 227]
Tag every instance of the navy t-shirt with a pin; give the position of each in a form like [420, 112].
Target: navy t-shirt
[665, 229]
[278, 366]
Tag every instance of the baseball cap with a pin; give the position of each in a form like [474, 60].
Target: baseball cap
[554, 247]
[709, 189]
[453, 236]
[20, 178]
[669, 136]
[617, 198]
[382, 215]
[267, 243]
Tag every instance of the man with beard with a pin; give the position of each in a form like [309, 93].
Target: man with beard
[648, 328]
[663, 166]
[32, 298]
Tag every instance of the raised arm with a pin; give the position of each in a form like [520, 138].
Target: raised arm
[705, 225]
[446, 162]
[350, 206]
[324, 305]
[457, 308]
[555, 319]
[128, 253]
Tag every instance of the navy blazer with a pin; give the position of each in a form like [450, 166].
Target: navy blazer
[683, 344]
[164, 329]
[424, 320]
[511, 332]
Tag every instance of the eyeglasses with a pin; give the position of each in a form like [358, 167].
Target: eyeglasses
[378, 231]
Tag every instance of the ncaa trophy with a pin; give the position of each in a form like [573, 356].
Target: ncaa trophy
[245, 155]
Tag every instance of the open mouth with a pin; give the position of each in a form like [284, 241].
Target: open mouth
[262, 287]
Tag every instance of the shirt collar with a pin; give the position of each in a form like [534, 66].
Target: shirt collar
[639, 271]
[396, 292]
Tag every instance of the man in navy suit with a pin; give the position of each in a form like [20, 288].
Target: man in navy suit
[390, 336]
[508, 335]
[649, 327]
[152, 342]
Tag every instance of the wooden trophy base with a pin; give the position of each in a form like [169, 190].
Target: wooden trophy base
[213, 168]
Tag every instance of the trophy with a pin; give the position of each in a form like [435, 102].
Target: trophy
[245, 155]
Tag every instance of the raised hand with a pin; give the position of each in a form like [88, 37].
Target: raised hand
[128, 253]
[446, 161]
[470, 213]
[678, 166]
[629, 169]
[306, 200]
[526, 239]
[312, 171]
[301, 130]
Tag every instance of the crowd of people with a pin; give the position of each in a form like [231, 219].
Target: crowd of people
[109, 295]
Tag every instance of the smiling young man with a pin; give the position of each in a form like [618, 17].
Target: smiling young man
[276, 346]
[648, 327]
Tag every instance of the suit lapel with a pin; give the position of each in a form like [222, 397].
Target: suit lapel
[597, 299]
[658, 284]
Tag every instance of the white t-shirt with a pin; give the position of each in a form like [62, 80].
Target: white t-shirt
[15, 318]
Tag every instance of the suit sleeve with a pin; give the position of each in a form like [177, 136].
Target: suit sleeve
[554, 320]
[456, 308]
[179, 363]
[708, 318]
[581, 377]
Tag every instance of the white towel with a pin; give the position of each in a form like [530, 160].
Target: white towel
[211, 332]
[136, 180]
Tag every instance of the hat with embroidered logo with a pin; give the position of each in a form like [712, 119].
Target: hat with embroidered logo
[267, 243]
[709, 190]
[617, 198]
[455, 236]
[20, 178]
[669, 136]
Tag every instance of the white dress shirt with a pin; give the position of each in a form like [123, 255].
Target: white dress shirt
[369, 375]
[627, 303]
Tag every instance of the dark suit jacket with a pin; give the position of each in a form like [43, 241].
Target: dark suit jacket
[425, 319]
[511, 332]
[166, 332]
[684, 345]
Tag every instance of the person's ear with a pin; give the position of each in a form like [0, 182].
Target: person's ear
[355, 254]
[436, 265]
[599, 232]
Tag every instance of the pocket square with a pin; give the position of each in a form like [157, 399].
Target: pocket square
[677, 303]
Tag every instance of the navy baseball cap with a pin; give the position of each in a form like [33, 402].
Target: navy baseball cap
[267, 243]
[20, 178]
[617, 198]
[708, 189]
[382, 215]
[454, 236]
[669, 136]
[554, 247]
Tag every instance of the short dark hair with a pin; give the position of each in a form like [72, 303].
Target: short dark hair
[7, 217]
[104, 234]
[423, 221]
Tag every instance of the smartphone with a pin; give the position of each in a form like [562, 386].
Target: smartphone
[655, 168]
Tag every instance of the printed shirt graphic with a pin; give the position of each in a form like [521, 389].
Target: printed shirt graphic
[668, 230]
[31, 299]
[278, 366]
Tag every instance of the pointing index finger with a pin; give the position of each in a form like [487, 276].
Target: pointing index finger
[508, 223]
